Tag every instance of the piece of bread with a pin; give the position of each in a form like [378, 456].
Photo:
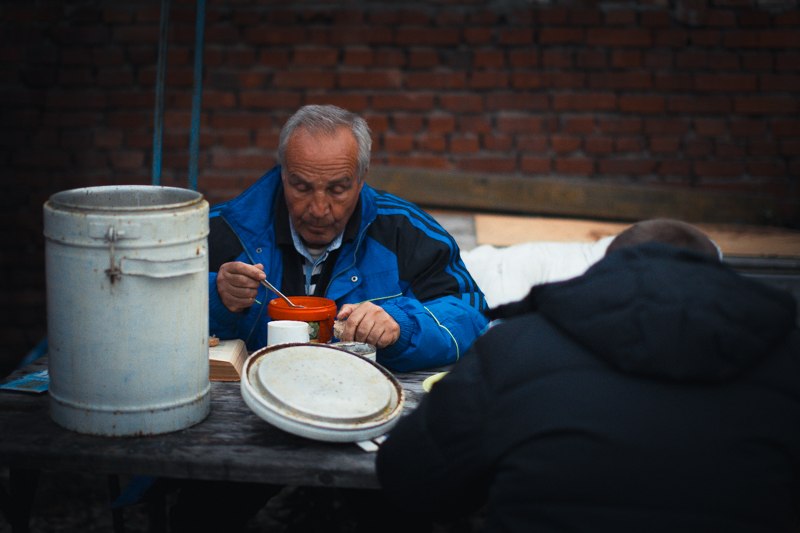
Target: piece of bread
[338, 328]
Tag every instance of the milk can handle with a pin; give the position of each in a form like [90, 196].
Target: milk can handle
[163, 269]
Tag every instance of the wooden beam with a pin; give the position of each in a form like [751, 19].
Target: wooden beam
[584, 198]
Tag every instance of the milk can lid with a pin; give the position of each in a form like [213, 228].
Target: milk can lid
[321, 392]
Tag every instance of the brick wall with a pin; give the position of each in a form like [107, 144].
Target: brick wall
[687, 93]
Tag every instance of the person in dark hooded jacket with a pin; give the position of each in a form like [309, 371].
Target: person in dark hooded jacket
[656, 392]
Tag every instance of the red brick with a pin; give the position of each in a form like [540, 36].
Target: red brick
[107, 138]
[779, 105]
[646, 104]
[667, 126]
[461, 144]
[552, 16]
[234, 119]
[698, 147]
[487, 164]
[522, 58]
[356, 101]
[529, 80]
[680, 169]
[785, 127]
[431, 143]
[665, 145]
[76, 76]
[548, 36]
[671, 37]
[538, 144]
[301, 79]
[516, 101]
[388, 58]
[564, 144]
[419, 161]
[658, 59]
[489, 79]
[576, 166]
[288, 35]
[239, 160]
[557, 58]
[372, 79]
[405, 123]
[787, 60]
[126, 159]
[515, 36]
[462, 103]
[620, 80]
[409, 36]
[581, 124]
[403, 101]
[441, 123]
[497, 142]
[566, 80]
[780, 82]
[423, 58]
[475, 124]
[718, 169]
[598, 145]
[726, 82]
[116, 77]
[711, 127]
[273, 57]
[618, 37]
[626, 59]
[535, 165]
[267, 139]
[436, 80]
[620, 17]
[491, 59]
[213, 99]
[728, 150]
[232, 139]
[626, 167]
[584, 101]
[584, 17]
[673, 82]
[357, 56]
[629, 144]
[699, 104]
[790, 147]
[477, 36]
[593, 59]
[759, 61]
[762, 147]
[772, 168]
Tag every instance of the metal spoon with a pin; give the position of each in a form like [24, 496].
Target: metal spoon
[271, 287]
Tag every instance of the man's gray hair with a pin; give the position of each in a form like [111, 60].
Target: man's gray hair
[326, 119]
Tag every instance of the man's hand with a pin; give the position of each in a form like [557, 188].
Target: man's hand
[367, 322]
[237, 284]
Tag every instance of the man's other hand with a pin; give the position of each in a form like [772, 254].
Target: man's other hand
[367, 322]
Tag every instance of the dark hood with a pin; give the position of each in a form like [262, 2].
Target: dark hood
[663, 312]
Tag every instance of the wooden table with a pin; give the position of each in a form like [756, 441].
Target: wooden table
[231, 444]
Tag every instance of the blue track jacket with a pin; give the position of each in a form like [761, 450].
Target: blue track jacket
[401, 260]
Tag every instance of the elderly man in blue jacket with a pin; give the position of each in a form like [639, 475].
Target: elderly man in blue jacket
[313, 226]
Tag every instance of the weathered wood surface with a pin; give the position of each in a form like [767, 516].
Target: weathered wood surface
[232, 444]
[579, 197]
[733, 239]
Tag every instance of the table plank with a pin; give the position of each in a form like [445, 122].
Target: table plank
[231, 444]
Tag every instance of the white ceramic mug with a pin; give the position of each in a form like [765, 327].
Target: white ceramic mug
[285, 331]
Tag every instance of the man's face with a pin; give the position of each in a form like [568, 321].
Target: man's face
[320, 183]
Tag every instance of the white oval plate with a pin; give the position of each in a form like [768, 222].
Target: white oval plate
[320, 392]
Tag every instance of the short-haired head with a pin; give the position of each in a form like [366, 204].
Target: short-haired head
[667, 231]
[326, 119]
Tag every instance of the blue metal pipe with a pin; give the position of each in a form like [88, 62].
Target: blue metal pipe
[158, 119]
[197, 96]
